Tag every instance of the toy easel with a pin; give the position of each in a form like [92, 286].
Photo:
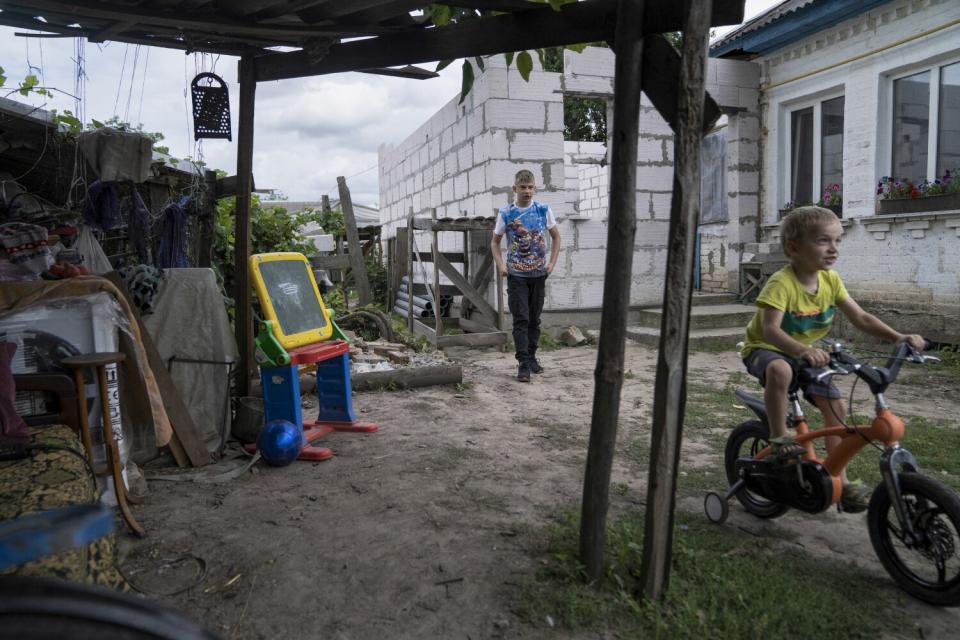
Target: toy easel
[298, 332]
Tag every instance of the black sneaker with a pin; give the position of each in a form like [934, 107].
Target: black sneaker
[523, 373]
[535, 366]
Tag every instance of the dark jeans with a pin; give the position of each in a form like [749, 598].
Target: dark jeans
[525, 298]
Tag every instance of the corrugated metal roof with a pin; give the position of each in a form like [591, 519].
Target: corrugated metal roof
[786, 23]
[771, 15]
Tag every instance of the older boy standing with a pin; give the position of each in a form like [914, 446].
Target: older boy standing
[525, 222]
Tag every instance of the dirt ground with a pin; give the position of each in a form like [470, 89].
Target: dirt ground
[423, 529]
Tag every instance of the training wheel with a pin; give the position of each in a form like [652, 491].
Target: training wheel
[715, 507]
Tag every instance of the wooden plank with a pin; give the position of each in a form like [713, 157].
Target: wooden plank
[208, 218]
[435, 247]
[451, 256]
[353, 240]
[661, 68]
[408, 377]
[480, 282]
[177, 451]
[472, 326]
[330, 262]
[472, 340]
[230, 186]
[537, 28]
[180, 419]
[420, 289]
[621, 230]
[243, 325]
[409, 72]
[669, 395]
[475, 224]
[420, 329]
[465, 288]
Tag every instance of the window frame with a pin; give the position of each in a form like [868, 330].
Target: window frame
[816, 101]
[935, 67]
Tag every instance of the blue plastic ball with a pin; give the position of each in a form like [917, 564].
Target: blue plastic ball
[280, 442]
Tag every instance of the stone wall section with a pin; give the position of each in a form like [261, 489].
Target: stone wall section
[463, 160]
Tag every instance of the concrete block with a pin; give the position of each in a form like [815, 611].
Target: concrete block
[446, 140]
[589, 262]
[591, 293]
[433, 149]
[500, 173]
[460, 185]
[465, 156]
[651, 150]
[459, 130]
[555, 116]
[598, 61]
[589, 85]
[515, 114]
[446, 191]
[542, 85]
[659, 204]
[536, 146]
[475, 122]
[483, 204]
[654, 178]
[478, 180]
[591, 234]
[450, 164]
[562, 293]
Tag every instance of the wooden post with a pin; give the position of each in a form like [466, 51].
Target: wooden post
[435, 241]
[357, 265]
[622, 226]
[242, 296]
[325, 203]
[669, 394]
[208, 217]
[411, 247]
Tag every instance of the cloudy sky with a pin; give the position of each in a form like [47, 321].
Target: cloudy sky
[308, 130]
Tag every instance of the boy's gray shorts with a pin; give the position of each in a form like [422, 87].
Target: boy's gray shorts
[758, 359]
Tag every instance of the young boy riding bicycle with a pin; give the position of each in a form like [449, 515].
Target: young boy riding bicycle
[795, 309]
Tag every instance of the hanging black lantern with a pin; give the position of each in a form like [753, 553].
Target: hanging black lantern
[211, 107]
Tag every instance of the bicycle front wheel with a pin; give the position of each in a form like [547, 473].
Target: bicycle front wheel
[928, 569]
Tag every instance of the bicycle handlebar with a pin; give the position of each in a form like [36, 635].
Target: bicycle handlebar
[877, 378]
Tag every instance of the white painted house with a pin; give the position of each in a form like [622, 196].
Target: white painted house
[813, 92]
[850, 92]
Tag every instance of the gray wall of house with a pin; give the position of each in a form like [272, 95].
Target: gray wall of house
[462, 162]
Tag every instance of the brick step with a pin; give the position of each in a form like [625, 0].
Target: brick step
[704, 299]
[709, 316]
[710, 339]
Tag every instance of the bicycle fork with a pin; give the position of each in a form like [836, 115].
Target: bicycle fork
[894, 460]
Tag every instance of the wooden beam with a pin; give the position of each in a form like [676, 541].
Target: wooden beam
[408, 377]
[464, 286]
[229, 186]
[536, 28]
[669, 396]
[208, 219]
[472, 326]
[185, 21]
[621, 229]
[353, 241]
[472, 340]
[409, 72]
[330, 262]
[242, 297]
[661, 68]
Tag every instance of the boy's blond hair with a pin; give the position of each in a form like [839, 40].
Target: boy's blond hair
[524, 176]
[803, 222]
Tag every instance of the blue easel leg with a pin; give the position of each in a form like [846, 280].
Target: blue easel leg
[333, 390]
[281, 394]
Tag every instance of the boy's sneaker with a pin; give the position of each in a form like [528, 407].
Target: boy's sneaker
[535, 366]
[855, 497]
[523, 373]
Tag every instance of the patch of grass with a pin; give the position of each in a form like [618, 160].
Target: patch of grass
[723, 584]
[629, 375]
[547, 342]
[463, 386]
[935, 448]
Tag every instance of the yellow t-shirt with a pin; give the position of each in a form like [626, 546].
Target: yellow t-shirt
[807, 317]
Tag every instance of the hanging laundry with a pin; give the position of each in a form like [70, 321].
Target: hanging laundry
[26, 246]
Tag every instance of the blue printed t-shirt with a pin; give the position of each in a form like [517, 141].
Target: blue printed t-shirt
[526, 237]
[807, 317]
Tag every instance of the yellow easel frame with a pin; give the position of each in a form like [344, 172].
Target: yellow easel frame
[295, 340]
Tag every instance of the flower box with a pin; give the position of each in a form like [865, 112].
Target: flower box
[942, 202]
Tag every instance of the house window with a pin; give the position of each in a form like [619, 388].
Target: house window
[926, 123]
[713, 188]
[816, 150]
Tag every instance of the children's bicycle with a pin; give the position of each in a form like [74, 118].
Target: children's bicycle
[914, 520]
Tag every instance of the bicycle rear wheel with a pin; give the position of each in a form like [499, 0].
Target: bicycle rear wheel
[929, 570]
[747, 440]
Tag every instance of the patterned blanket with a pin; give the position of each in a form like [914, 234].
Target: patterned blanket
[57, 478]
